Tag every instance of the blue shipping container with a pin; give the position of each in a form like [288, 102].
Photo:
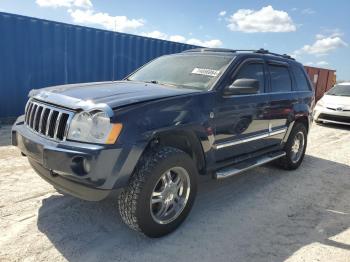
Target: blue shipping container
[36, 53]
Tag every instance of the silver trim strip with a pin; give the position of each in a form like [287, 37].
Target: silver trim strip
[331, 121]
[69, 120]
[277, 132]
[241, 141]
[32, 116]
[41, 119]
[249, 139]
[228, 172]
[27, 114]
[48, 121]
[58, 120]
[289, 129]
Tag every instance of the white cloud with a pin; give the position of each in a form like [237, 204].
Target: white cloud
[156, 34]
[266, 19]
[320, 36]
[182, 39]
[322, 63]
[308, 11]
[208, 43]
[222, 13]
[82, 12]
[64, 3]
[118, 23]
[177, 38]
[322, 46]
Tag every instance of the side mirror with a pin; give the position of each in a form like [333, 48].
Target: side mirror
[242, 86]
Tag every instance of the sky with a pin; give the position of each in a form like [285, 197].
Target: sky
[316, 33]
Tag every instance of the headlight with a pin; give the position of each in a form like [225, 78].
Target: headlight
[94, 128]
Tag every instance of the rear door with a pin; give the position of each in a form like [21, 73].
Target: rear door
[240, 123]
[282, 100]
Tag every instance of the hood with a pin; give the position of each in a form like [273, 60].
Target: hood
[337, 101]
[115, 94]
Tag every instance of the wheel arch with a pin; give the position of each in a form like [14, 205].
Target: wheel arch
[300, 119]
[184, 140]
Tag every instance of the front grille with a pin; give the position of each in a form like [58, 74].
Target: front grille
[344, 119]
[48, 120]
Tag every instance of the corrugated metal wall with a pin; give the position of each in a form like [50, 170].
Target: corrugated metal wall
[323, 79]
[36, 53]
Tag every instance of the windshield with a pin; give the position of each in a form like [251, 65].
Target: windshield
[184, 71]
[340, 90]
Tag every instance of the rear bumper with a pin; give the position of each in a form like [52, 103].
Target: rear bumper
[83, 170]
[326, 115]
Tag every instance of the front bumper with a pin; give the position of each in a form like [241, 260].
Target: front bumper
[87, 171]
[327, 115]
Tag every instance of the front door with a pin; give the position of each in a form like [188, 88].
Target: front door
[239, 120]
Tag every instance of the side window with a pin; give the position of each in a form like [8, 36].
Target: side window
[253, 71]
[280, 79]
[302, 82]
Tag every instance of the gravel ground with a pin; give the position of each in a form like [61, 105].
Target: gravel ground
[262, 215]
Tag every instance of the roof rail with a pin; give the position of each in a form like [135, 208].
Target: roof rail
[207, 49]
[267, 52]
[259, 51]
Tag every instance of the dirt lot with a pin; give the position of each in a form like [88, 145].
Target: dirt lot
[262, 215]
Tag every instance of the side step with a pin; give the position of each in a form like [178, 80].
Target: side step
[246, 165]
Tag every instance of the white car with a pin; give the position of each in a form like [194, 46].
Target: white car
[334, 106]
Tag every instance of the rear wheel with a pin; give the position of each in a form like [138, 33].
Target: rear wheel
[161, 192]
[294, 148]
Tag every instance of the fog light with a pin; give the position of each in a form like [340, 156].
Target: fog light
[86, 166]
[80, 165]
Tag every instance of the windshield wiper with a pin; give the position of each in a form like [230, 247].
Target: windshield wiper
[160, 83]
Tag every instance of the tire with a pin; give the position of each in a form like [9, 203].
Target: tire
[291, 160]
[156, 177]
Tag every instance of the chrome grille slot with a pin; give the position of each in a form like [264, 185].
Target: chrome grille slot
[47, 120]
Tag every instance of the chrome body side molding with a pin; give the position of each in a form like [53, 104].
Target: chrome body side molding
[249, 139]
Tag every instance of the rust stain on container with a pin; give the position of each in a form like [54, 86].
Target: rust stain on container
[322, 79]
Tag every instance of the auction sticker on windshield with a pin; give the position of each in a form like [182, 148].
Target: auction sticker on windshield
[204, 71]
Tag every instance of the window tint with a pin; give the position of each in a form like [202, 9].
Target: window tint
[280, 78]
[302, 82]
[253, 71]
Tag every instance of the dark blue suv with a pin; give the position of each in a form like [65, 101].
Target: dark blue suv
[203, 111]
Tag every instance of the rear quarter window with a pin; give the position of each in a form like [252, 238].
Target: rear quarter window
[280, 78]
[302, 83]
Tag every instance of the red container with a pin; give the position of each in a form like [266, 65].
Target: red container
[322, 79]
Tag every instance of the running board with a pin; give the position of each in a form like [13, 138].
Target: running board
[246, 165]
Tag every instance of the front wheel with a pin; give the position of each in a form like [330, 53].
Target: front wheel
[294, 148]
[160, 193]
